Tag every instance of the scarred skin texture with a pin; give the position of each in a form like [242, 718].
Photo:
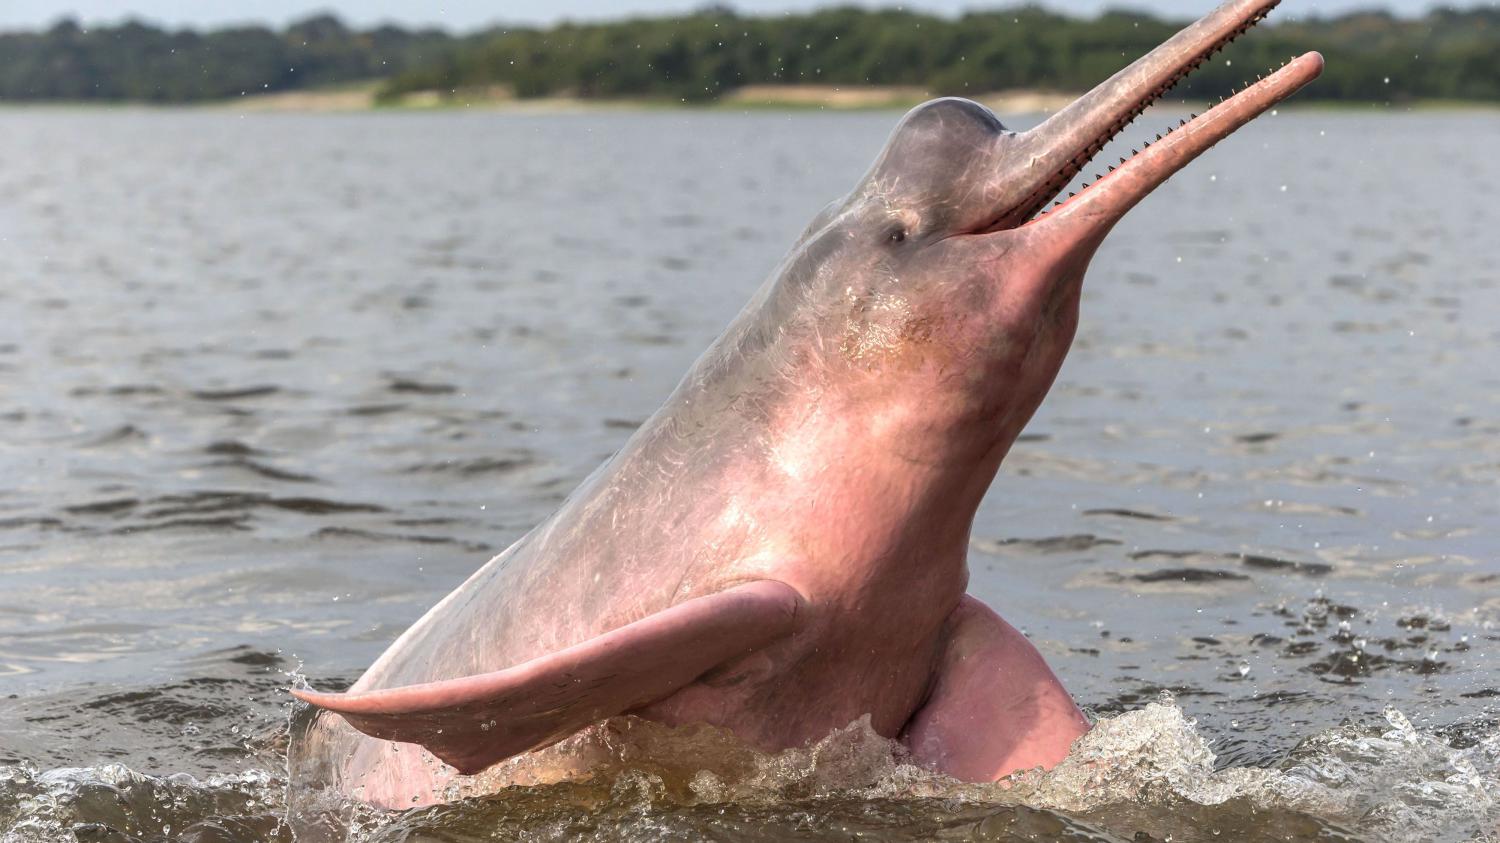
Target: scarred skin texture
[838, 438]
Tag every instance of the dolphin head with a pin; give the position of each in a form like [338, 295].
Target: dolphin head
[938, 286]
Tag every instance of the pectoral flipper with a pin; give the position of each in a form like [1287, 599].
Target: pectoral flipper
[476, 721]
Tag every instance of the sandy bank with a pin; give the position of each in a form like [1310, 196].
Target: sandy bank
[363, 97]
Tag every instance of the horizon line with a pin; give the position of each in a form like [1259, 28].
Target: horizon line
[1124, 7]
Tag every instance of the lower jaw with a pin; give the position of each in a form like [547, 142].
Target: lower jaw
[1114, 192]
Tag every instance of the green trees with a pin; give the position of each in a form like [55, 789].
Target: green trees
[1372, 56]
[137, 62]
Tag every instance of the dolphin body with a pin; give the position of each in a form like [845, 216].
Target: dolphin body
[781, 549]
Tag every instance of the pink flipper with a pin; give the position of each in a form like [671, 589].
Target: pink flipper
[477, 721]
[995, 706]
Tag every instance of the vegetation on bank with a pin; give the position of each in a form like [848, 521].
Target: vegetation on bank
[141, 63]
[1372, 56]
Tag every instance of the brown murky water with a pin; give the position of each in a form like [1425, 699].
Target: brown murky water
[271, 385]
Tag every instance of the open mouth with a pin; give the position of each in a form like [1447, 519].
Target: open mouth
[1062, 146]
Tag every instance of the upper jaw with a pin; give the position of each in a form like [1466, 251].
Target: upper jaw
[1089, 215]
[1052, 154]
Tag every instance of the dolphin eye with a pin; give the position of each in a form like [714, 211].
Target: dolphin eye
[901, 225]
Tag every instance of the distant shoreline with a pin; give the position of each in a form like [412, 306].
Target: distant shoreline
[749, 98]
[363, 97]
[822, 58]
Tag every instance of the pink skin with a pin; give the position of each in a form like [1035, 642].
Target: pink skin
[821, 465]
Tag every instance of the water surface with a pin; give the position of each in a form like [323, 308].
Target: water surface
[271, 385]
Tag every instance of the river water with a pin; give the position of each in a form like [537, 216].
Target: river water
[270, 385]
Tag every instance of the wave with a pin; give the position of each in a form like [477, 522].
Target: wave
[1148, 774]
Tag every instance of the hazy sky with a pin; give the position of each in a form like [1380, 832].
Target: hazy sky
[470, 14]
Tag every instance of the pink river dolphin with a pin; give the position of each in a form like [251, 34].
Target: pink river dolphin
[781, 549]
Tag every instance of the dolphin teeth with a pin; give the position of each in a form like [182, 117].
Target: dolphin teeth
[1158, 136]
[1111, 168]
